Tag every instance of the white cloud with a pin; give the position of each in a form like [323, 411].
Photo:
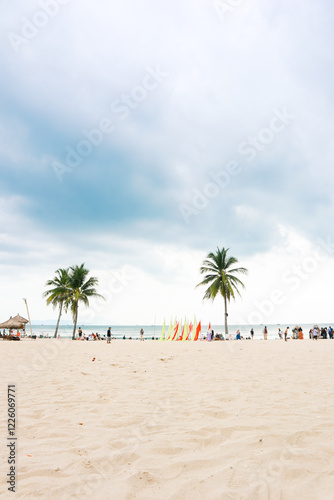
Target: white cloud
[120, 208]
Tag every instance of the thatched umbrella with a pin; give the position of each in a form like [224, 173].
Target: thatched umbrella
[20, 319]
[12, 324]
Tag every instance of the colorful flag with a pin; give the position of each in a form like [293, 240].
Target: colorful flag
[198, 329]
[190, 330]
[176, 329]
[163, 331]
[186, 332]
[194, 329]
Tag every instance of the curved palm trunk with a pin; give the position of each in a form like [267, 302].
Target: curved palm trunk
[226, 327]
[75, 321]
[60, 310]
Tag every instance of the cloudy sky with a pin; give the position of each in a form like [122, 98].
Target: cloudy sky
[138, 136]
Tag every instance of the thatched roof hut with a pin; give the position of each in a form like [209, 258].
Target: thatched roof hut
[20, 319]
[12, 324]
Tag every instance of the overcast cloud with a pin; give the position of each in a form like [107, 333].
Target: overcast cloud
[136, 137]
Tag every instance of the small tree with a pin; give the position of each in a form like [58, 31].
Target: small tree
[220, 275]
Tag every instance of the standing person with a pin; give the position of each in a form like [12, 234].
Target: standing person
[252, 333]
[141, 334]
[315, 333]
[286, 334]
[330, 332]
[109, 335]
[238, 336]
[80, 333]
[265, 333]
[280, 333]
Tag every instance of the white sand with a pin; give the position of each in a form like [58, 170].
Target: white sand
[171, 420]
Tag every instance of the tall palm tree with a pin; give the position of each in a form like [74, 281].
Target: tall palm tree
[58, 294]
[80, 290]
[220, 275]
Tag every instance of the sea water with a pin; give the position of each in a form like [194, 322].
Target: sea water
[133, 331]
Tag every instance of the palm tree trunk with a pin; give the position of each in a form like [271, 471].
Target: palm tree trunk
[226, 327]
[60, 310]
[75, 321]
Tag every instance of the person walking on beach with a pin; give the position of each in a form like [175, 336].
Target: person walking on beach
[252, 333]
[286, 334]
[109, 335]
[315, 333]
[280, 333]
[141, 334]
[80, 333]
[265, 333]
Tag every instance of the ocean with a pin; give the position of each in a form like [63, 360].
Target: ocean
[150, 331]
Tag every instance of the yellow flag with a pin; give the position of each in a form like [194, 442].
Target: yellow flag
[163, 331]
[194, 329]
[186, 331]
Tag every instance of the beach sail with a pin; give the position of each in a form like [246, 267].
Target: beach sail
[186, 332]
[189, 332]
[194, 329]
[170, 331]
[163, 331]
[180, 336]
[176, 329]
[198, 329]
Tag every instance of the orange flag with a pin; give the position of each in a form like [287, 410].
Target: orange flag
[180, 337]
[190, 330]
[175, 330]
[198, 329]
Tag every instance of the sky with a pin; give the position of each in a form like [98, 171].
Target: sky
[137, 137]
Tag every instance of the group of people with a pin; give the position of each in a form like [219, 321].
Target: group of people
[110, 336]
[297, 333]
[322, 333]
[91, 336]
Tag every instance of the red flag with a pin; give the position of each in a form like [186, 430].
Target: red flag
[190, 330]
[175, 331]
[198, 329]
[180, 337]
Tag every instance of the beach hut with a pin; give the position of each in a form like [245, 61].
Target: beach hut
[20, 319]
[16, 323]
[12, 324]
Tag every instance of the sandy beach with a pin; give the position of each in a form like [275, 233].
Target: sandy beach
[170, 420]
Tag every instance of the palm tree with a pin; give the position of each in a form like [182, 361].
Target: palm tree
[220, 270]
[80, 290]
[58, 294]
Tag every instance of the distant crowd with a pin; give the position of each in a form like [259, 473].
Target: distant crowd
[315, 333]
